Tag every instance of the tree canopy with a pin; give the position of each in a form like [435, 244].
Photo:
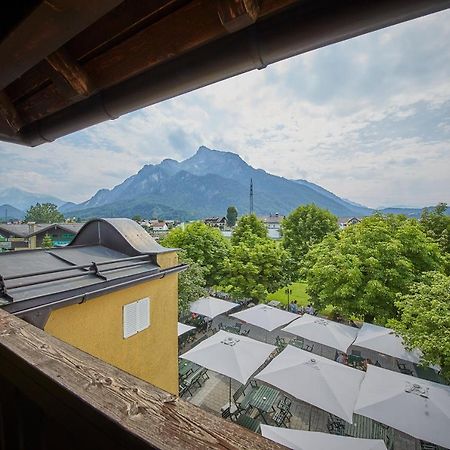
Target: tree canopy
[191, 285]
[437, 225]
[204, 245]
[45, 213]
[305, 227]
[248, 229]
[232, 216]
[254, 270]
[425, 319]
[361, 270]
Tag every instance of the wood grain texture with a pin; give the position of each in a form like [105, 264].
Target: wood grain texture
[9, 113]
[111, 407]
[69, 69]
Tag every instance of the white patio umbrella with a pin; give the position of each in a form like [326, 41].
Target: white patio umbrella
[183, 328]
[235, 356]
[310, 440]
[265, 316]
[415, 406]
[211, 307]
[384, 340]
[316, 380]
[323, 331]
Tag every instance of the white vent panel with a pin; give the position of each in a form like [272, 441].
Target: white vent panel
[143, 314]
[129, 319]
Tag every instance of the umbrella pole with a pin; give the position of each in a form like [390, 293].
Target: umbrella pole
[309, 420]
[229, 404]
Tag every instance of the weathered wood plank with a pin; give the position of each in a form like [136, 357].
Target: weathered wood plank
[113, 408]
[129, 17]
[68, 68]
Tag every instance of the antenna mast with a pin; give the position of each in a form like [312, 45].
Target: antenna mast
[251, 195]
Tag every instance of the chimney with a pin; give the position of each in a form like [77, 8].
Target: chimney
[31, 227]
[31, 239]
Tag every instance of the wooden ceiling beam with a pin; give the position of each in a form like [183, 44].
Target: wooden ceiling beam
[9, 113]
[48, 27]
[72, 72]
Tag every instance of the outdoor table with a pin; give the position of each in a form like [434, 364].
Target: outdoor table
[248, 422]
[263, 400]
[185, 367]
[363, 427]
[427, 373]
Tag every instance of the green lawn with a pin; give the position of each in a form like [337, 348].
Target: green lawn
[298, 293]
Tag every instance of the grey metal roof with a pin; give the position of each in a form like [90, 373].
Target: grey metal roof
[125, 234]
[106, 259]
[23, 229]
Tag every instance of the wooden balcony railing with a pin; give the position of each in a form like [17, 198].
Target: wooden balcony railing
[54, 396]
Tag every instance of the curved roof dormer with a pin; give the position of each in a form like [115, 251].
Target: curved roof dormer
[123, 235]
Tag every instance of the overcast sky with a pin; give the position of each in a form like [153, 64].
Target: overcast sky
[368, 119]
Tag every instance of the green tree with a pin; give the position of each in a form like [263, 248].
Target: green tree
[137, 218]
[361, 270]
[437, 225]
[47, 242]
[248, 229]
[45, 213]
[232, 216]
[304, 227]
[202, 244]
[252, 270]
[424, 320]
[191, 285]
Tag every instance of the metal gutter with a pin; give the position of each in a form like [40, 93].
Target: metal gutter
[304, 27]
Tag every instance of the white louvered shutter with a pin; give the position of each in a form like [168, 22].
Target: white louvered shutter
[129, 319]
[143, 314]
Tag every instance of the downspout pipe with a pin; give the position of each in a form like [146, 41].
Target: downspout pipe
[299, 29]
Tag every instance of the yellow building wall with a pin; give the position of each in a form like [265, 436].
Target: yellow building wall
[96, 327]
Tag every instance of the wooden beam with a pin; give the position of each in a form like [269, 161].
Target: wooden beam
[105, 406]
[237, 14]
[72, 73]
[9, 113]
[48, 27]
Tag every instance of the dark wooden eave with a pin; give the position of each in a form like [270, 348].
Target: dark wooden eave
[67, 64]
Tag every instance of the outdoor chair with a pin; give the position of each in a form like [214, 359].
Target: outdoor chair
[403, 369]
[308, 348]
[245, 333]
[356, 361]
[335, 425]
[282, 419]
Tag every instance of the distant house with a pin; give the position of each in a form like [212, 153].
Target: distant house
[216, 222]
[159, 226]
[18, 236]
[346, 221]
[273, 225]
[273, 221]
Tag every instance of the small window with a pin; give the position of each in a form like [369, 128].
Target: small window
[136, 317]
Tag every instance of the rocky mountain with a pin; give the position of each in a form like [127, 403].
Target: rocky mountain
[8, 212]
[206, 184]
[22, 200]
